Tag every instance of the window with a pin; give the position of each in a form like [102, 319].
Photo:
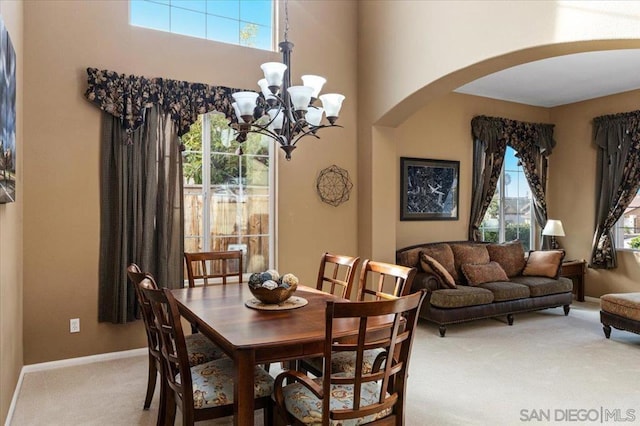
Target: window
[626, 232]
[510, 214]
[228, 198]
[243, 22]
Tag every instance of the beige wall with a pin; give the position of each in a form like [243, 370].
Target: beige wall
[429, 49]
[572, 196]
[11, 230]
[61, 164]
[442, 130]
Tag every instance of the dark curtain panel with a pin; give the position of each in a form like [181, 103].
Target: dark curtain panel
[488, 156]
[141, 210]
[141, 177]
[617, 138]
[533, 143]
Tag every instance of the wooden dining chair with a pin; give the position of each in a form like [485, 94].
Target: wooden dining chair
[199, 348]
[213, 264]
[378, 281]
[376, 397]
[204, 391]
[336, 274]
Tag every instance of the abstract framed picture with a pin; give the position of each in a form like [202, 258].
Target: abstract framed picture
[7, 117]
[428, 189]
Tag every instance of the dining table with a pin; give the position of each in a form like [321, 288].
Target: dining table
[253, 336]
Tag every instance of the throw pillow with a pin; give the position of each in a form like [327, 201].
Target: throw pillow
[465, 253]
[509, 255]
[431, 265]
[443, 254]
[544, 263]
[477, 274]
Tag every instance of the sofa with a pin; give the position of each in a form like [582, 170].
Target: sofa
[466, 280]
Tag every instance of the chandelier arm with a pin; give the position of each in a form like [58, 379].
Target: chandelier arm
[263, 131]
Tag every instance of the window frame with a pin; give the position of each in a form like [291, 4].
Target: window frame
[206, 193]
[174, 7]
[618, 227]
[500, 191]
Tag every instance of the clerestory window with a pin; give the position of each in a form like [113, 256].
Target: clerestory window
[242, 22]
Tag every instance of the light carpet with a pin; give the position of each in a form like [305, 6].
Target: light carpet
[545, 369]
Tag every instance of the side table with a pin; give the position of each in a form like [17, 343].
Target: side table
[575, 270]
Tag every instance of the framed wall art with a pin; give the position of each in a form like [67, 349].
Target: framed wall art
[428, 189]
[7, 117]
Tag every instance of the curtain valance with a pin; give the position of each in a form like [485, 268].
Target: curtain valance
[127, 96]
[493, 129]
[609, 129]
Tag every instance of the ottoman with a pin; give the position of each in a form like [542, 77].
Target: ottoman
[621, 311]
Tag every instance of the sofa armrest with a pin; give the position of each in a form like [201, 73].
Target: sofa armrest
[425, 280]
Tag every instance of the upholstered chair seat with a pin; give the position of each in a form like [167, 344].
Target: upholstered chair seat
[201, 350]
[213, 383]
[305, 406]
[346, 362]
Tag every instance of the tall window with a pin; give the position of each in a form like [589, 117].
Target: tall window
[627, 230]
[243, 22]
[510, 213]
[228, 198]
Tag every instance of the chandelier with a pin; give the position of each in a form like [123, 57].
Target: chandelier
[285, 113]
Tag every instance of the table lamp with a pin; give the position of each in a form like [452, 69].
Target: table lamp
[554, 229]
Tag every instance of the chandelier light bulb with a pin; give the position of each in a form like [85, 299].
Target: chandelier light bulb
[274, 74]
[314, 116]
[300, 97]
[315, 82]
[277, 117]
[332, 102]
[238, 114]
[246, 102]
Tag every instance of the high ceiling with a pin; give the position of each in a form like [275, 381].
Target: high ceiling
[563, 79]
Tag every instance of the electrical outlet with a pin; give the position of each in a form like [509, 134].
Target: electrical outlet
[74, 325]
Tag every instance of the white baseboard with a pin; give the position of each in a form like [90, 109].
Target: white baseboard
[592, 299]
[66, 363]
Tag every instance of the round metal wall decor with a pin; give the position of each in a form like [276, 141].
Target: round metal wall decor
[334, 185]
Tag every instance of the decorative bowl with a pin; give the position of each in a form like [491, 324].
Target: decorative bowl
[272, 296]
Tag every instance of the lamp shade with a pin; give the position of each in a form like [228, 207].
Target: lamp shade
[553, 228]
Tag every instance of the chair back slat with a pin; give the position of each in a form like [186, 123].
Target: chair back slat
[396, 341]
[392, 281]
[337, 272]
[214, 264]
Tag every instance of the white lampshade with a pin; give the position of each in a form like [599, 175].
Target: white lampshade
[315, 82]
[274, 73]
[553, 228]
[314, 116]
[332, 102]
[246, 103]
[277, 116]
[237, 111]
[300, 97]
[264, 87]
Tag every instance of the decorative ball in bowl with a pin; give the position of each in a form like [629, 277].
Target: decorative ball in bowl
[270, 288]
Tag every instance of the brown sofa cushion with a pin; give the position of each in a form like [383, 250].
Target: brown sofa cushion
[506, 291]
[443, 254]
[460, 297]
[477, 274]
[542, 286]
[509, 255]
[467, 253]
[431, 265]
[544, 263]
